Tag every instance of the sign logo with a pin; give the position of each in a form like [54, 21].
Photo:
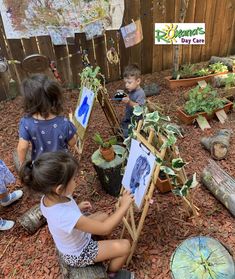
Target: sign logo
[180, 33]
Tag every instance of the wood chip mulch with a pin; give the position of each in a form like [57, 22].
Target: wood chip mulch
[166, 226]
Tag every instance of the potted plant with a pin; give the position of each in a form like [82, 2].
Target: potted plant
[106, 149]
[189, 75]
[203, 102]
[163, 183]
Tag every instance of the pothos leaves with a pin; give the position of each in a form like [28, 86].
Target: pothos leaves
[177, 164]
[189, 184]
[167, 170]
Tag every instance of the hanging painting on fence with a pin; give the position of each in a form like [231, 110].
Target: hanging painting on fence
[83, 110]
[132, 33]
[138, 171]
[28, 18]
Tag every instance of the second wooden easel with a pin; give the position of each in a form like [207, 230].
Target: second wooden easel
[130, 222]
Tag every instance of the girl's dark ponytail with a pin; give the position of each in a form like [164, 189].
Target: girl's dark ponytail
[26, 174]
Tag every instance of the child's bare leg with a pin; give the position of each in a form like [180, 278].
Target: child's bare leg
[99, 216]
[116, 251]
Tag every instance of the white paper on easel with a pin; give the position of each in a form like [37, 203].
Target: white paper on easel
[139, 170]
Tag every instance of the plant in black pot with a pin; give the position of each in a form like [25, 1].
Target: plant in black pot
[106, 146]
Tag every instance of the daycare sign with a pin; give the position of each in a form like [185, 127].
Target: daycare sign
[180, 33]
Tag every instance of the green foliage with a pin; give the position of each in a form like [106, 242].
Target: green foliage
[178, 164]
[193, 70]
[189, 184]
[91, 78]
[104, 144]
[203, 100]
[186, 71]
[230, 80]
[218, 68]
[202, 72]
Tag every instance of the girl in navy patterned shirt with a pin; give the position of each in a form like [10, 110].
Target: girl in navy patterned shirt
[43, 127]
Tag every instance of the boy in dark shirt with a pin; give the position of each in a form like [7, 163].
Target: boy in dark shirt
[135, 97]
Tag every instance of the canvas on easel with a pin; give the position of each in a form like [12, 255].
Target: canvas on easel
[138, 173]
[83, 111]
[81, 116]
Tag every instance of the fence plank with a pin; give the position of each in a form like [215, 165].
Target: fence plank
[146, 12]
[199, 18]
[63, 63]
[190, 14]
[73, 53]
[209, 21]
[111, 38]
[17, 52]
[168, 49]
[46, 47]
[217, 28]
[227, 28]
[158, 17]
[231, 45]
[100, 51]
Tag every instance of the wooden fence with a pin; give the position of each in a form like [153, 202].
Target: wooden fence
[218, 15]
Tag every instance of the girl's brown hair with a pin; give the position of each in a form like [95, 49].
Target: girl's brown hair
[41, 95]
[51, 169]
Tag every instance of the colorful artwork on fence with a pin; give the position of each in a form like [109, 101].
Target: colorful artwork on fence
[132, 33]
[138, 171]
[27, 18]
[83, 110]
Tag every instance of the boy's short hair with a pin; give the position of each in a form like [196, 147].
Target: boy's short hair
[132, 70]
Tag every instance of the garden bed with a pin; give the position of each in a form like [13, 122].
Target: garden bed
[166, 225]
[186, 82]
[188, 119]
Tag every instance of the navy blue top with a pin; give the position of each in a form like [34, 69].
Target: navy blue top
[46, 135]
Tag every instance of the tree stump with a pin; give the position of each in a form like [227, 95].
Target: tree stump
[221, 184]
[96, 271]
[109, 173]
[218, 144]
[32, 219]
[202, 257]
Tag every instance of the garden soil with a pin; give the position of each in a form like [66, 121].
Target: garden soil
[166, 226]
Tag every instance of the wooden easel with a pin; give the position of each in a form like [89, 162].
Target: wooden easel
[129, 222]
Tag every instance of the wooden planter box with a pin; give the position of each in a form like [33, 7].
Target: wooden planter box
[174, 83]
[164, 185]
[188, 119]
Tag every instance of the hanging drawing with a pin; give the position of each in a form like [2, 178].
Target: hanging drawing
[94, 29]
[28, 18]
[132, 33]
[139, 169]
[83, 110]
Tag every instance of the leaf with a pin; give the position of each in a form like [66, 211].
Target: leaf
[158, 160]
[177, 164]
[192, 183]
[167, 170]
[169, 141]
[138, 110]
[173, 129]
[152, 117]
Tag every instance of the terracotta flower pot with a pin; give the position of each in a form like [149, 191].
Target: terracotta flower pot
[174, 83]
[188, 119]
[163, 184]
[107, 153]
